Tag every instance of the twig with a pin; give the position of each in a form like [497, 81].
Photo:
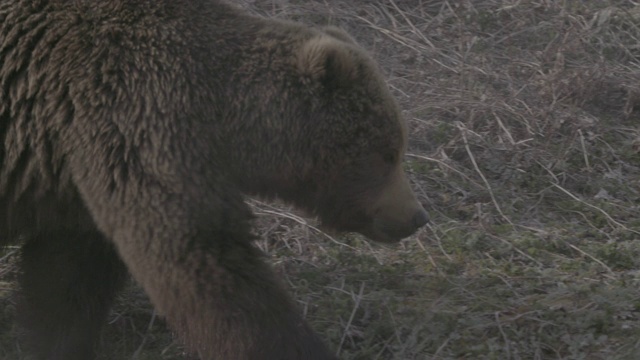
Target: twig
[413, 27]
[606, 215]
[591, 257]
[463, 130]
[516, 249]
[447, 166]
[353, 314]
[433, 231]
[297, 219]
[504, 128]
[504, 335]
[146, 335]
[584, 151]
[9, 254]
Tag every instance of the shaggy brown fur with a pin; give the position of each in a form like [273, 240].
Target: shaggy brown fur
[130, 129]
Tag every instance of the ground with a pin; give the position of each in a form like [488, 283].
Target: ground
[524, 146]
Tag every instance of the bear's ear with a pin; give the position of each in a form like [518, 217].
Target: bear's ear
[327, 60]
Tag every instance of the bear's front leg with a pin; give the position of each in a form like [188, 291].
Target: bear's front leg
[227, 304]
[192, 253]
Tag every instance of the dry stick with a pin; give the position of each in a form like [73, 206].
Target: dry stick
[584, 151]
[504, 335]
[441, 347]
[146, 335]
[415, 30]
[517, 249]
[299, 220]
[433, 231]
[447, 166]
[594, 226]
[611, 219]
[431, 260]
[410, 43]
[385, 346]
[395, 325]
[463, 130]
[591, 257]
[353, 314]
[394, 22]
[7, 255]
[394, 36]
[504, 128]
[254, 203]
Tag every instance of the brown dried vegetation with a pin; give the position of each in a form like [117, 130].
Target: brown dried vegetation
[525, 148]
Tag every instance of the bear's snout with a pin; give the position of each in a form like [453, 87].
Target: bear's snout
[420, 219]
[389, 227]
[398, 213]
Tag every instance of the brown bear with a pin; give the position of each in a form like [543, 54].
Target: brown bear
[130, 130]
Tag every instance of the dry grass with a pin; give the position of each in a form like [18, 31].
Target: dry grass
[525, 147]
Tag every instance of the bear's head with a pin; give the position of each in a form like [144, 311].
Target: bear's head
[320, 129]
[356, 140]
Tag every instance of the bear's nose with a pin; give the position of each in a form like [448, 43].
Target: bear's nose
[420, 218]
